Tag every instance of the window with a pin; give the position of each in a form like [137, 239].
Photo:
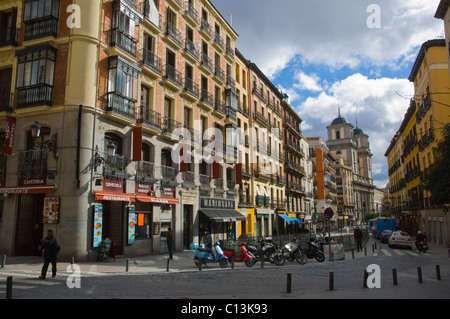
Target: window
[41, 18]
[35, 75]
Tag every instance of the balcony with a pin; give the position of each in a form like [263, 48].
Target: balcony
[6, 101]
[219, 74]
[32, 164]
[115, 167]
[173, 77]
[145, 172]
[39, 28]
[169, 124]
[124, 41]
[169, 175]
[206, 63]
[205, 29]
[218, 42]
[190, 13]
[152, 14]
[260, 118]
[192, 51]
[260, 93]
[34, 95]
[206, 99]
[219, 108]
[191, 89]
[121, 105]
[152, 62]
[149, 118]
[229, 52]
[173, 35]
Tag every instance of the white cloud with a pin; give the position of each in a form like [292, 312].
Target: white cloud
[307, 82]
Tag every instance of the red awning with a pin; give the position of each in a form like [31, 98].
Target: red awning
[120, 197]
[28, 189]
[157, 200]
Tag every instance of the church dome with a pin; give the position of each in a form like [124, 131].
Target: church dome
[357, 131]
[339, 120]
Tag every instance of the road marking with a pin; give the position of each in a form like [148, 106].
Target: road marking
[386, 252]
[412, 253]
[399, 252]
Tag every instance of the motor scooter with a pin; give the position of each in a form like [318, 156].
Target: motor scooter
[205, 256]
[422, 246]
[246, 256]
[313, 251]
[269, 252]
[292, 251]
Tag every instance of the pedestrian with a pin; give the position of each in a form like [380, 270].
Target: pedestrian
[208, 240]
[169, 242]
[358, 238]
[52, 247]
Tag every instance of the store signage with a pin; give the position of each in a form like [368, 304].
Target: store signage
[168, 192]
[10, 132]
[143, 189]
[206, 202]
[113, 185]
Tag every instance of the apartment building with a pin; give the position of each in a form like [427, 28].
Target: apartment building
[113, 124]
[411, 150]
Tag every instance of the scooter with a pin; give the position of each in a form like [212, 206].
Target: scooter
[422, 246]
[313, 251]
[204, 256]
[292, 251]
[268, 252]
[246, 256]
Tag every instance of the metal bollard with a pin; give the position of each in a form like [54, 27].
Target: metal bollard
[9, 285]
[394, 276]
[288, 283]
[168, 264]
[419, 274]
[232, 262]
[331, 282]
[127, 265]
[438, 272]
[366, 275]
[365, 251]
[3, 261]
[353, 254]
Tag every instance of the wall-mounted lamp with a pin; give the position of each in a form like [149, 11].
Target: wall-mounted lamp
[111, 152]
[49, 145]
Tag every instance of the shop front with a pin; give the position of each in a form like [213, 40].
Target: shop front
[219, 217]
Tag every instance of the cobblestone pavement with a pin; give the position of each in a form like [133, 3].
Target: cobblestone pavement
[148, 277]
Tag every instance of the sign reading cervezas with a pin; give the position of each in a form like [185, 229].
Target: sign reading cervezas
[206, 202]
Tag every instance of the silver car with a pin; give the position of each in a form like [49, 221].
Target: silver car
[400, 239]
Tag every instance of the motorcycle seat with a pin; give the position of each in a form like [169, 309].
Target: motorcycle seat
[204, 249]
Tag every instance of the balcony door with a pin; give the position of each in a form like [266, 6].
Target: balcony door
[5, 89]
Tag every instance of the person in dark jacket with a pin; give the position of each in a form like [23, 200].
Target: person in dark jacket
[52, 247]
[169, 242]
[358, 238]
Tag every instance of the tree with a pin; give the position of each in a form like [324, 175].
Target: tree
[436, 178]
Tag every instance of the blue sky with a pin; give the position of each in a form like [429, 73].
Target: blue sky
[324, 55]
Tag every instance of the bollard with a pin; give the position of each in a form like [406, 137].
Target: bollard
[3, 261]
[127, 265]
[232, 262]
[419, 274]
[394, 276]
[262, 261]
[200, 265]
[9, 284]
[331, 283]
[366, 275]
[288, 283]
[353, 254]
[365, 251]
[375, 245]
[373, 248]
[332, 256]
[438, 272]
[168, 264]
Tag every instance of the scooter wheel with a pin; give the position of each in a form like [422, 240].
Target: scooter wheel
[223, 263]
[250, 262]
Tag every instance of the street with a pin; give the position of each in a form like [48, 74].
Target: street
[309, 281]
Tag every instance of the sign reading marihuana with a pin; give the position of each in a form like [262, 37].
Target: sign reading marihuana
[206, 202]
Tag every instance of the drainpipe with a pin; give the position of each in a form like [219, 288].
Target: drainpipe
[77, 170]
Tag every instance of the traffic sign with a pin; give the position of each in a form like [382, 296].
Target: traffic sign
[328, 213]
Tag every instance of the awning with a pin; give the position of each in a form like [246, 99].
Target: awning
[28, 189]
[120, 197]
[223, 215]
[297, 220]
[288, 219]
[157, 200]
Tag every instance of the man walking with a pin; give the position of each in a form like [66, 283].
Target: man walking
[52, 247]
[358, 238]
[169, 242]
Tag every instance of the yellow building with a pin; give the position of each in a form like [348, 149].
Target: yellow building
[430, 76]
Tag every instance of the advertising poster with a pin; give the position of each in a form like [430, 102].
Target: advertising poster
[51, 210]
[131, 225]
[98, 225]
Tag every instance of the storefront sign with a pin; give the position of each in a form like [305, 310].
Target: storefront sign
[35, 180]
[98, 225]
[144, 189]
[113, 185]
[131, 225]
[206, 202]
[51, 210]
[168, 192]
[28, 190]
[10, 132]
[120, 197]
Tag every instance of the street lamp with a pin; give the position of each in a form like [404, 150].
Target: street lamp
[49, 145]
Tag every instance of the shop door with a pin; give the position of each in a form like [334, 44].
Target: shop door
[187, 226]
[28, 216]
[113, 225]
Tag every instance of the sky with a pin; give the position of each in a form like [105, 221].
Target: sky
[352, 55]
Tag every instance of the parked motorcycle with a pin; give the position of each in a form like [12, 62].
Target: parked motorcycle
[269, 251]
[313, 251]
[246, 256]
[204, 256]
[422, 246]
[292, 251]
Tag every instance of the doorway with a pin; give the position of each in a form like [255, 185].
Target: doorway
[188, 236]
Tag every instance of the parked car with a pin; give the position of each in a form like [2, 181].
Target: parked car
[385, 236]
[400, 239]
